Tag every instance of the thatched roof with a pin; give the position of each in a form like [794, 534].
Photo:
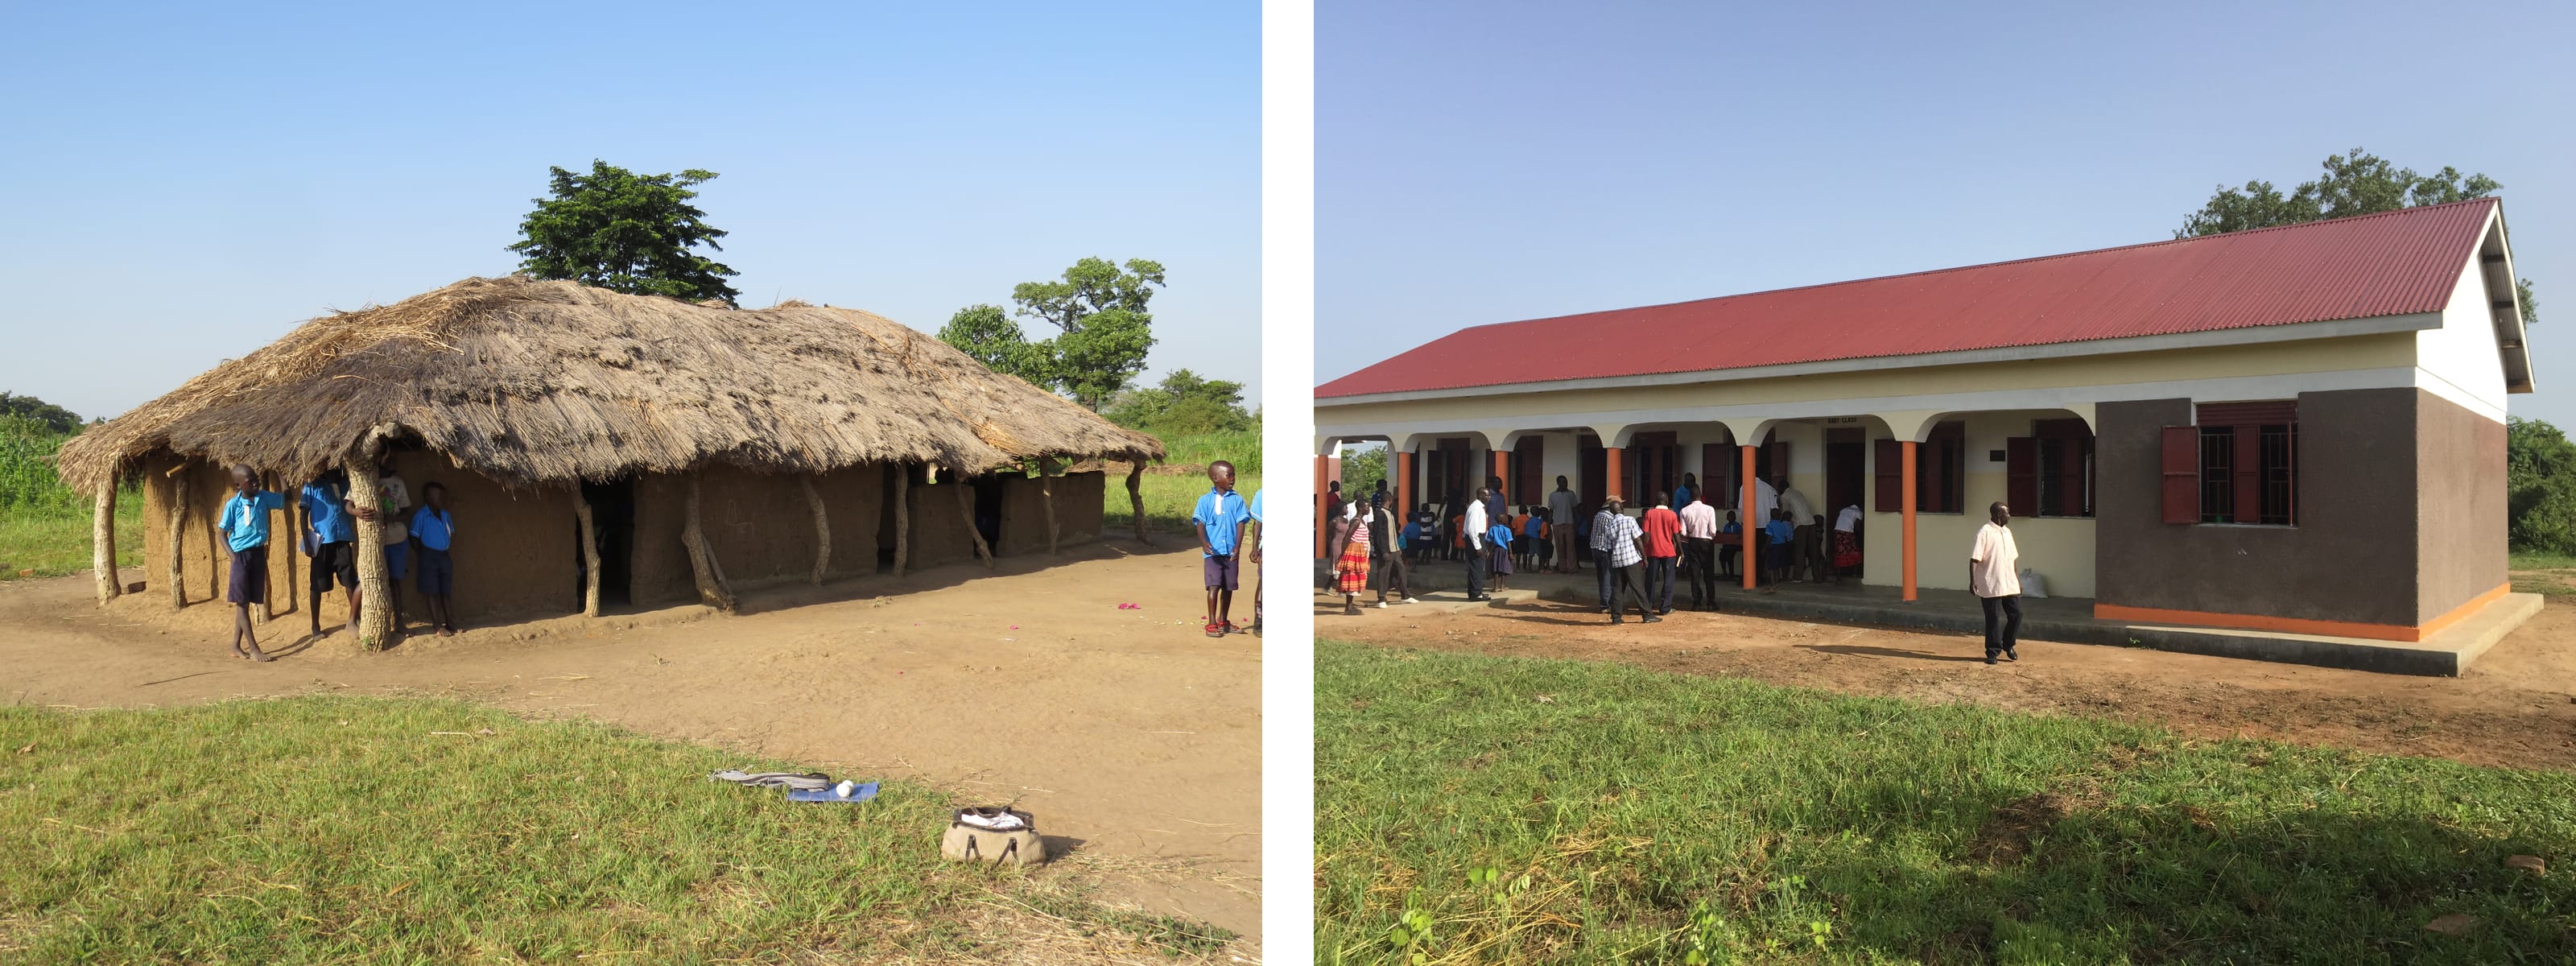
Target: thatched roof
[538, 383]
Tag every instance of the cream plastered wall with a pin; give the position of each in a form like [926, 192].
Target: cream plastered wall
[2388, 358]
[2059, 549]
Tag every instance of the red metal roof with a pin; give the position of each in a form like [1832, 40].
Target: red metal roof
[2391, 263]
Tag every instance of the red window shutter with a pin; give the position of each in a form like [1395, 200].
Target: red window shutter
[2249, 474]
[2181, 451]
[2021, 475]
[1890, 471]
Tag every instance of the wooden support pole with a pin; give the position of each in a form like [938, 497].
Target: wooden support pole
[1046, 490]
[1136, 498]
[1404, 486]
[1752, 555]
[589, 552]
[902, 517]
[822, 529]
[1907, 486]
[702, 559]
[178, 536]
[966, 509]
[102, 544]
[268, 601]
[376, 628]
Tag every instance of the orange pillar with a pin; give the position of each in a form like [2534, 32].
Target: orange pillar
[1503, 471]
[1322, 469]
[1610, 456]
[1404, 486]
[1751, 558]
[1908, 485]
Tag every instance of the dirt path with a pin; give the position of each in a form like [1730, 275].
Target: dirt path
[2516, 706]
[1138, 736]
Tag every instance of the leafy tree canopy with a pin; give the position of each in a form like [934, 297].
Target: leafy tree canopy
[625, 232]
[32, 410]
[2540, 486]
[2356, 183]
[1103, 329]
[1185, 404]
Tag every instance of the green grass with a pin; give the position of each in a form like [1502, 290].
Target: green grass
[53, 542]
[326, 829]
[1168, 500]
[1477, 809]
[2537, 560]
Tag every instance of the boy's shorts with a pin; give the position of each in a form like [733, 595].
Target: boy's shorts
[1222, 571]
[397, 560]
[248, 583]
[335, 560]
[437, 572]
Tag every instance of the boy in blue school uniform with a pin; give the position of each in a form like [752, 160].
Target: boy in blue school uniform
[1220, 518]
[245, 529]
[333, 531]
[433, 528]
[1777, 554]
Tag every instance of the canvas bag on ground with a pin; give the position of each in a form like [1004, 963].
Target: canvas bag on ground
[968, 840]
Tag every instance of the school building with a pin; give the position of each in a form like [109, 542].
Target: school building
[2297, 430]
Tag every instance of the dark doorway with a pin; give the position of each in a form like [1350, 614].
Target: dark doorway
[1845, 474]
[885, 515]
[1593, 467]
[612, 524]
[988, 510]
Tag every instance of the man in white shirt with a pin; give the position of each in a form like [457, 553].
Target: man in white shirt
[1475, 528]
[1560, 516]
[1994, 576]
[1802, 517]
[1699, 552]
[1765, 499]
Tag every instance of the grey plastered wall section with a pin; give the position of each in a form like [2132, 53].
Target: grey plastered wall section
[940, 533]
[2352, 556]
[2461, 501]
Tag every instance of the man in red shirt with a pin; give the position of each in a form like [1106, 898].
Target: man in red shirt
[1663, 531]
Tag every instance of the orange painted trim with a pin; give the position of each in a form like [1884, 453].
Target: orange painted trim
[2460, 613]
[1750, 558]
[1610, 457]
[1404, 485]
[1503, 472]
[2289, 625]
[1908, 507]
[1322, 471]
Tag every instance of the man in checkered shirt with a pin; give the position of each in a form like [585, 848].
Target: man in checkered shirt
[1616, 537]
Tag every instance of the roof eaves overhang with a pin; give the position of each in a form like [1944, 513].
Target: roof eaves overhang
[2495, 264]
[2246, 335]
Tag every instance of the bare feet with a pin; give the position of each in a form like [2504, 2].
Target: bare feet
[447, 632]
[259, 655]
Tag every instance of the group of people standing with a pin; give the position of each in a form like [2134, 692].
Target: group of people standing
[333, 510]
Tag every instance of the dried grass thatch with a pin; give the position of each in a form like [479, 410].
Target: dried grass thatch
[532, 383]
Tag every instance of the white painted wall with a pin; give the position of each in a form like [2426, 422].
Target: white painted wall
[2459, 360]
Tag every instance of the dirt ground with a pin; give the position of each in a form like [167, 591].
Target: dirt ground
[2515, 707]
[1131, 735]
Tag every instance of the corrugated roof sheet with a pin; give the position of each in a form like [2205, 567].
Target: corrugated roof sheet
[2391, 263]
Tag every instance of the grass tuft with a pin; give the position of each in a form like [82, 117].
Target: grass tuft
[1638, 816]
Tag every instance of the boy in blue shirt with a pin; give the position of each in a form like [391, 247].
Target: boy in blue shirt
[245, 528]
[1252, 543]
[1727, 549]
[434, 529]
[1220, 518]
[1777, 554]
[328, 514]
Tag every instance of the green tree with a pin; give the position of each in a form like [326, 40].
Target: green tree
[1185, 404]
[52, 417]
[1362, 469]
[2356, 183]
[988, 334]
[2540, 486]
[625, 232]
[1104, 328]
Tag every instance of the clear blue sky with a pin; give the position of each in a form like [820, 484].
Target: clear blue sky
[186, 184]
[1495, 161]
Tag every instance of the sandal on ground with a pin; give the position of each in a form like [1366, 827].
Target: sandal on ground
[1216, 630]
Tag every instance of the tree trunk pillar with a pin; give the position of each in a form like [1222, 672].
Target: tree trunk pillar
[1136, 498]
[822, 529]
[178, 536]
[902, 517]
[1046, 490]
[966, 508]
[102, 544]
[702, 559]
[375, 587]
[589, 552]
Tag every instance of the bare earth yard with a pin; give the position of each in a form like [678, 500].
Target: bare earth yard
[1127, 731]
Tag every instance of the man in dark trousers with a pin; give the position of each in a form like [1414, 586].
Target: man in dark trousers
[1474, 532]
[1993, 576]
[1623, 547]
[1386, 553]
